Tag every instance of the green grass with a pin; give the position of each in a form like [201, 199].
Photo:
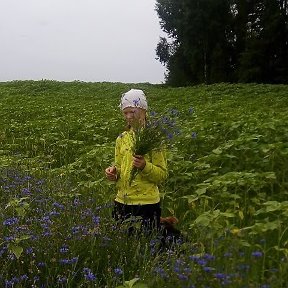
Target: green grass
[227, 184]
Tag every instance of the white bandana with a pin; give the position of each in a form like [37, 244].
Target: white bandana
[133, 98]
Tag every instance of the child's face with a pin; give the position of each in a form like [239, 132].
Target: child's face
[134, 115]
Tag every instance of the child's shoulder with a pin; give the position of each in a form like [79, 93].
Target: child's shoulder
[122, 135]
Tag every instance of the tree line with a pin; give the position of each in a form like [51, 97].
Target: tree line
[210, 41]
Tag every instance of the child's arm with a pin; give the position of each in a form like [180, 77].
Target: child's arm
[156, 170]
[111, 173]
[118, 156]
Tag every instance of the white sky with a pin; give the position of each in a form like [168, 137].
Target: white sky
[86, 40]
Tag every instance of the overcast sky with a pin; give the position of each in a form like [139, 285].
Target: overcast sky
[86, 40]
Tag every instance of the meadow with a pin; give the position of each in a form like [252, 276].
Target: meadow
[227, 185]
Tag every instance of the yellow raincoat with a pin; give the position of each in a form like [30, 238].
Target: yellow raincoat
[144, 188]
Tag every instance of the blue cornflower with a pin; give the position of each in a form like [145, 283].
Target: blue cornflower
[153, 113]
[88, 274]
[40, 182]
[209, 257]
[46, 233]
[64, 249]
[76, 202]
[46, 219]
[177, 269]
[3, 250]
[62, 280]
[58, 205]
[29, 250]
[96, 220]
[9, 238]
[169, 136]
[194, 257]
[187, 270]
[220, 275]
[74, 260]
[201, 262]
[182, 277]
[194, 135]
[24, 277]
[9, 283]
[75, 229]
[257, 254]
[15, 280]
[191, 110]
[68, 261]
[41, 264]
[161, 272]
[64, 261]
[118, 271]
[54, 213]
[10, 221]
[27, 178]
[208, 269]
[26, 191]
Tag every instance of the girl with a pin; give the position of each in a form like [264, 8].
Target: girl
[140, 199]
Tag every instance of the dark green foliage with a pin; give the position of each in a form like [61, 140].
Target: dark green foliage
[224, 41]
[227, 185]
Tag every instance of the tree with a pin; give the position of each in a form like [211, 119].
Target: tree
[264, 58]
[195, 28]
[212, 41]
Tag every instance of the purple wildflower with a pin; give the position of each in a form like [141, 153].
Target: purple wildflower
[76, 202]
[62, 280]
[220, 276]
[88, 274]
[161, 272]
[26, 191]
[257, 254]
[182, 277]
[23, 277]
[68, 261]
[118, 271]
[9, 238]
[10, 221]
[169, 136]
[96, 220]
[58, 205]
[64, 249]
[208, 269]
[29, 250]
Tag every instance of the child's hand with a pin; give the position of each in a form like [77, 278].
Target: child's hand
[111, 173]
[139, 162]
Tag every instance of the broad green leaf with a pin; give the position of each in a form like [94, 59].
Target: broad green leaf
[15, 249]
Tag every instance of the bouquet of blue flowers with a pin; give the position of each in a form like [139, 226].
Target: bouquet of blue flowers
[155, 133]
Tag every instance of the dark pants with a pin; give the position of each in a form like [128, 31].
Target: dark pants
[147, 215]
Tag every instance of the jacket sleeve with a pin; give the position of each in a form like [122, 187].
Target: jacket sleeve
[156, 170]
[118, 155]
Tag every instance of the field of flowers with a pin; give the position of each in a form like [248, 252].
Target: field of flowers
[227, 185]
